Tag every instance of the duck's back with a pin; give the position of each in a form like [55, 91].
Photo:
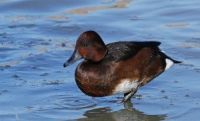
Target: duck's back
[124, 50]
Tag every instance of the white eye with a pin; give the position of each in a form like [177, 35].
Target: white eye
[84, 43]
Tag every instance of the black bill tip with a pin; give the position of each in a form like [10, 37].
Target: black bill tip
[64, 65]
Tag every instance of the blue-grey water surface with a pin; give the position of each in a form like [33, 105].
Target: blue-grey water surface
[37, 36]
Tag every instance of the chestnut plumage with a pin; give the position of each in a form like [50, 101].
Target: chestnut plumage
[119, 67]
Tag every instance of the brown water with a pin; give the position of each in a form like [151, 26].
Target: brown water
[37, 36]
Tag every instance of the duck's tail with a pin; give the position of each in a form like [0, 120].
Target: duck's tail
[173, 60]
[176, 61]
[169, 61]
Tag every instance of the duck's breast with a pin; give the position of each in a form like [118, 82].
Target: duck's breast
[95, 79]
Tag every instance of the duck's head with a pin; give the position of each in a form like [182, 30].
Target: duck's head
[89, 46]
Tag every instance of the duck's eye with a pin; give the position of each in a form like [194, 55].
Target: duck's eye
[84, 44]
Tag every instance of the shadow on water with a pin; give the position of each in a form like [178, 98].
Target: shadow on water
[129, 113]
[101, 114]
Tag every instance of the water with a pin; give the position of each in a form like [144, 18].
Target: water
[37, 36]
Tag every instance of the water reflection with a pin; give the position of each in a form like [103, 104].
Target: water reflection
[127, 114]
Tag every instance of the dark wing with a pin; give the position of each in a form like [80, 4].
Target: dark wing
[123, 50]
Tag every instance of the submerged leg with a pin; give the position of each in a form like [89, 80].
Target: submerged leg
[128, 95]
[128, 105]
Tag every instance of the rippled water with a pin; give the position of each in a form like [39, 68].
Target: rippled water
[37, 36]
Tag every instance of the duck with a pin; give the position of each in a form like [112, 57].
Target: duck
[116, 68]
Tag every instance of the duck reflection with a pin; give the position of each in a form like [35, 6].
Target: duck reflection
[127, 114]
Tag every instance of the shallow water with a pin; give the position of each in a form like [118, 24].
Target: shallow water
[37, 36]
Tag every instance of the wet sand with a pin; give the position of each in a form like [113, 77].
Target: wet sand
[37, 36]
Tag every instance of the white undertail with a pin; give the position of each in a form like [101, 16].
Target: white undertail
[169, 63]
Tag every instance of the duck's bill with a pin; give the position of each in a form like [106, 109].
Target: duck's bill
[75, 57]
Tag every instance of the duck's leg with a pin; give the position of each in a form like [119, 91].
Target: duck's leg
[128, 95]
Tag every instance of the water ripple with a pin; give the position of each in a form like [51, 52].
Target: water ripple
[74, 103]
